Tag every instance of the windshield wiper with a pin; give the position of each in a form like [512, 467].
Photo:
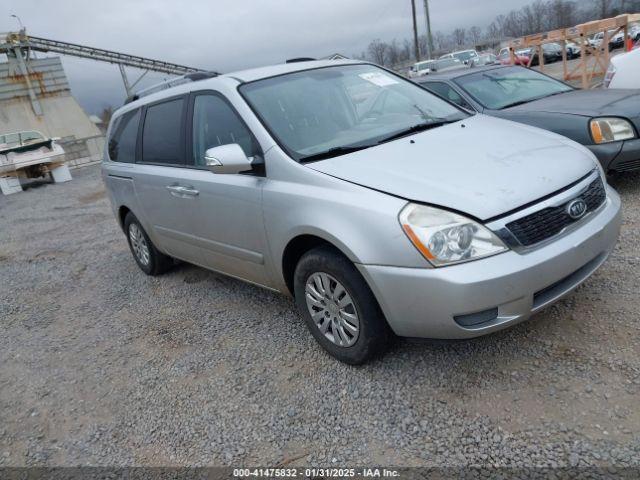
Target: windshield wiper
[337, 151]
[333, 152]
[515, 104]
[522, 102]
[420, 127]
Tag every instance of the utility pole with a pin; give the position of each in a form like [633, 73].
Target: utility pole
[428, 22]
[416, 47]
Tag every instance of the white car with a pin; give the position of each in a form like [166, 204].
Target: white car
[421, 68]
[465, 56]
[624, 71]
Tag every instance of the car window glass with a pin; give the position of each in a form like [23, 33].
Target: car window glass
[501, 87]
[122, 142]
[12, 140]
[30, 137]
[447, 92]
[317, 110]
[215, 123]
[162, 133]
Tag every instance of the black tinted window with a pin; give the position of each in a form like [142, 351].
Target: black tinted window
[447, 92]
[162, 133]
[122, 142]
[215, 123]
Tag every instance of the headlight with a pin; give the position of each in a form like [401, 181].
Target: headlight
[444, 238]
[611, 129]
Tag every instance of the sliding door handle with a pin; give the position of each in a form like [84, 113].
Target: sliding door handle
[182, 191]
[190, 191]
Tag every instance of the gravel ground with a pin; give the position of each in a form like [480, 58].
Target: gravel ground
[102, 365]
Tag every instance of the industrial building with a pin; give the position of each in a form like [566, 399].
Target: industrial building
[35, 95]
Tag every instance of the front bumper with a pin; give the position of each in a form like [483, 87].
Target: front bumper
[504, 289]
[618, 156]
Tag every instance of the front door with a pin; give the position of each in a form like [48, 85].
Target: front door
[230, 223]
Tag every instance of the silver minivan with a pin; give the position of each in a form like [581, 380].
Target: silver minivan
[382, 209]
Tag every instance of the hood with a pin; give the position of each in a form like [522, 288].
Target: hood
[588, 103]
[484, 168]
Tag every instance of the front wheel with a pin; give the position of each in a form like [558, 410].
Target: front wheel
[339, 308]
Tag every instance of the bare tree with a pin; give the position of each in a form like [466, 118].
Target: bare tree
[562, 13]
[512, 24]
[378, 51]
[540, 16]
[422, 44]
[440, 41]
[603, 8]
[499, 21]
[493, 31]
[407, 49]
[527, 18]
[459, 36]
[393, 53]
[475, 33]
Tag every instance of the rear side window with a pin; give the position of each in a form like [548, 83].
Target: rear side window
[162, 133]
[215, 123]
[122, 142]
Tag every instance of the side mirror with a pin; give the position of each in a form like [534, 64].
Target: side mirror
[227, 159]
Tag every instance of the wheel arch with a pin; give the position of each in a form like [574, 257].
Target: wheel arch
[297, 246]
[122, 214]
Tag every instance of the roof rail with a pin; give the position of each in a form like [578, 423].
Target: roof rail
[299, 59]
[174, 82]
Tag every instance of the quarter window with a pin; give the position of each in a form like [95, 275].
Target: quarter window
[215, 123]
[162, 133]
[447, 92]
[122, 143]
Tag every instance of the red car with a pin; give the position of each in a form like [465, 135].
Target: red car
[505, 58]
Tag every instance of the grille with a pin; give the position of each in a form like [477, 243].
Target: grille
[550, 221]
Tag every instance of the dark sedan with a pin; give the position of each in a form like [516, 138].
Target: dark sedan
[606, 121]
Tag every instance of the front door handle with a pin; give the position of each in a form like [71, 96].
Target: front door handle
[182, 191]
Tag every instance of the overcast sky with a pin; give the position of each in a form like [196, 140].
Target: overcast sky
[225, 35]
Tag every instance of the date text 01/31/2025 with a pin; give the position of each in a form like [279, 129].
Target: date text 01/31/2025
[314, 472]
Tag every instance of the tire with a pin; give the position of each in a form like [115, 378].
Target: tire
[373, 333]
[153, 262]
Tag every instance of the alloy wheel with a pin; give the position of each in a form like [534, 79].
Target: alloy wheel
[139, 244]
[332, 309]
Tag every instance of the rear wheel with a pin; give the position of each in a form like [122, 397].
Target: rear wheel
[339, 308]
[149, 259]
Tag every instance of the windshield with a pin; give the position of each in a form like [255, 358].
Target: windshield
[342, 107]
[502, 87]
[12, 140]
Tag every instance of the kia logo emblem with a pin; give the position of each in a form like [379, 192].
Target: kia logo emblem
[577, 208]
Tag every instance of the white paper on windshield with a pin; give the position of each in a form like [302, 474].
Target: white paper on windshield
[378, 78]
